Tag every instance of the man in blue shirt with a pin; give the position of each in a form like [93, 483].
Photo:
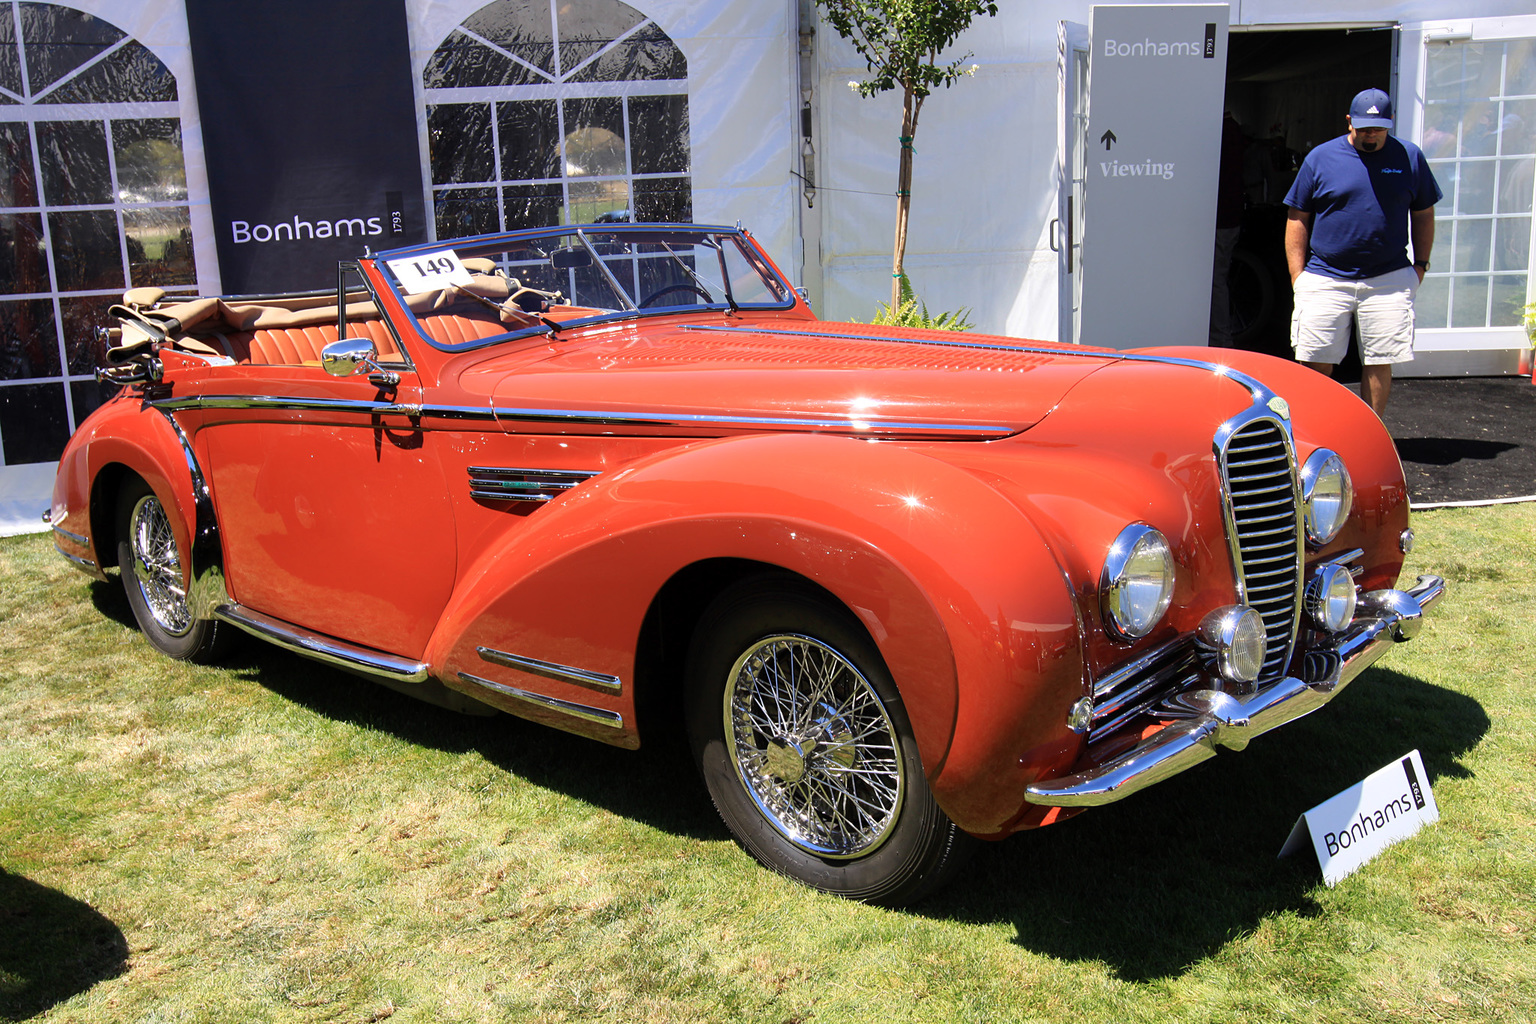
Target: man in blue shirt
[1358, 202]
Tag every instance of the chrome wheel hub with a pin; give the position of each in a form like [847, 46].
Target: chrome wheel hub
[157, 566]
[814, 746]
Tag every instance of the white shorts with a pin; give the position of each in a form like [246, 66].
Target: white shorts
[1382, 306]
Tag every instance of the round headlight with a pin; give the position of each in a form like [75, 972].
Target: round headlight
[1137, 582]
[1235, 634]
[1328, 495]
[1331, 597]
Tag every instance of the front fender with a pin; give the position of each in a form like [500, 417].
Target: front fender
[132, 436]
[957, 589]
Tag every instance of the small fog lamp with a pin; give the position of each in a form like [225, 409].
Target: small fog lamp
[1331, 597]
[1235, 635]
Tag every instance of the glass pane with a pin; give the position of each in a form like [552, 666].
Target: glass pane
[21, 236]
[658, 134]
[1430, 302]
[149, 162]
[462, 212]
[1441, 122]
[59, 39]
[89, 396]
[646, 56]
[1445, 172]
[159, 247]
[521, 27]
[84, 350]
[592, 199]
[1480, 129]
[131, 75]
[74, 159]
[86, 251]
[462, 62]
[533, 206]
[17, 187]
[594, 137]
[1508, 300]
[1440, 255]
[459, 137]
[1518, 128]
[664, 200]
[29, 342]
[1474, 187]
[587, 28]
[1520, 68]
[33, 423]
[529, 134]
[1473, 243]
[1469, 302]
[1515, 185]
[10, 57]
[1512, 243]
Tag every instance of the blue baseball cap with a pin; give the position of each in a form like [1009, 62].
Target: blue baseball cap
[1371, 109]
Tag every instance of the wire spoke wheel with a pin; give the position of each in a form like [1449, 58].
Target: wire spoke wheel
[157, 566]
[814, 746]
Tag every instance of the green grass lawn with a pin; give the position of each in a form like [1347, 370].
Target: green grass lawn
[272, 840]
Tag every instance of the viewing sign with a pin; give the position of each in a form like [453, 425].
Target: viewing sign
[1348, 830]
[1156, 77]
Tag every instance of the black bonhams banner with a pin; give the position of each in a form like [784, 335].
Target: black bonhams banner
[309, 128]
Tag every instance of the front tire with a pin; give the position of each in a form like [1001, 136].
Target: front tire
[805, 746]
[154, 578]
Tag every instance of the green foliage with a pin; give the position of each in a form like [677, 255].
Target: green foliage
[900, 40]
[912, 312]
[1530, 322]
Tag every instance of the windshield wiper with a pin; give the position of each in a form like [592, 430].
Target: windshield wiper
[704, 288]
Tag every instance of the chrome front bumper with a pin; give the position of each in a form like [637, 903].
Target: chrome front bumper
[1208, 719]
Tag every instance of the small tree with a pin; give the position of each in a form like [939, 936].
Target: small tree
[900, 41]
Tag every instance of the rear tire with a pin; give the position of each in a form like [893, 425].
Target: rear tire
[154, 578]
[806, 749]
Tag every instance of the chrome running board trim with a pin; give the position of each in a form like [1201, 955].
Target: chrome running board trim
[585, 712]
[329, 649]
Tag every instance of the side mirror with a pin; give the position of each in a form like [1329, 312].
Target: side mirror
[349, 356]
[570, 259]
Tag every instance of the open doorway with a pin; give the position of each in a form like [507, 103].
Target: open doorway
[1288, 91]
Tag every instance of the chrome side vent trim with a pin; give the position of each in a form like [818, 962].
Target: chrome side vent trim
[585, 712]
[600, 681]
[496, 483]
[1263, 500]
[1142, 683]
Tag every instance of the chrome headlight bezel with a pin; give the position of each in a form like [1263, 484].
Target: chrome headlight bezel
[1235, 637]
[1136, 584]
[1330, 597]
[1327, 496]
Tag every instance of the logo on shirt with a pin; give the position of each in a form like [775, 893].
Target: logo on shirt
[1393, 170]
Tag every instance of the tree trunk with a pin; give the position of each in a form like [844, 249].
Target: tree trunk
[910, 105]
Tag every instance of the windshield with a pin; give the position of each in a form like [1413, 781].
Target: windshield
[544, 281]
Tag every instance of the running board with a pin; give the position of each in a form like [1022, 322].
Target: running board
[341, 653]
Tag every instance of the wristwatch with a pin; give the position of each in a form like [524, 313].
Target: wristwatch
[1421, 264]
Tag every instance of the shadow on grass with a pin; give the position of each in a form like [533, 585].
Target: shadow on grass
[107, 597]
[52, 947]
[656, 784]
[1156, 883]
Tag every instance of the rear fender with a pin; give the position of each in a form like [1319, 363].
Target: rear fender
[950, 580]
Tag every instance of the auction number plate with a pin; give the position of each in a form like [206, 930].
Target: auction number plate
[429, 271]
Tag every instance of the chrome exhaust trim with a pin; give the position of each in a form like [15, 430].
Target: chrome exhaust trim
[1205, 720]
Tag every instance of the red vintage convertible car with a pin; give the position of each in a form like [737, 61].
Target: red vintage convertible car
[900, 587]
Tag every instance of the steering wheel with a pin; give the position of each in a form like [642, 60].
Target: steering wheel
[700, 292]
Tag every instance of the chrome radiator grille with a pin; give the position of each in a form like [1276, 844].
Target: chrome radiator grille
[1257, 468]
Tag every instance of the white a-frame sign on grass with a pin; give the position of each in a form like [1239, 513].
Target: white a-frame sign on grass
[1349, 829]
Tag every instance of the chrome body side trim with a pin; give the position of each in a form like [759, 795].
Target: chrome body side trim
[599, 681]
[80, 563]
[283, 402]
[611, 719]
[856, 427]
[324, 648]
[498, 483]
[1201, 721]
[84, 542]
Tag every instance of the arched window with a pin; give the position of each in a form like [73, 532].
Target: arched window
[93, 200]
[542, 113]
